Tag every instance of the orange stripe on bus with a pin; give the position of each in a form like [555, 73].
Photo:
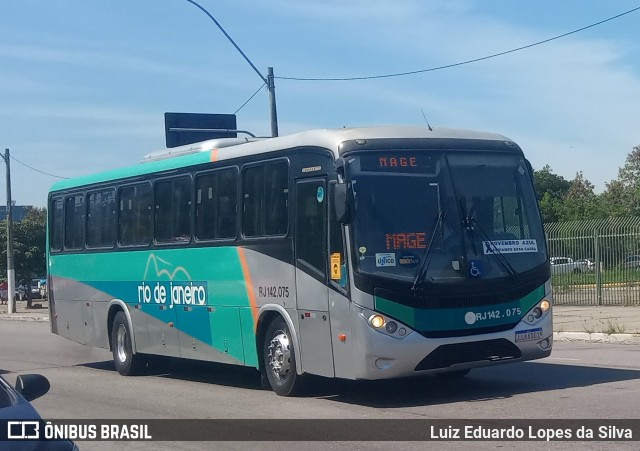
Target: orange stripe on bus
[249, 284]
[214, 155]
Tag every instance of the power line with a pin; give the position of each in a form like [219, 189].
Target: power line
[37, 170]
[249, 99]
[475, 60]
[229, 38]
[268, 80]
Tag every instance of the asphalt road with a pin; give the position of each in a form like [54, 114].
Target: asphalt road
[579, 380]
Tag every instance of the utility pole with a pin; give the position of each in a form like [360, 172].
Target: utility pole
[11, 273]
[271, 86]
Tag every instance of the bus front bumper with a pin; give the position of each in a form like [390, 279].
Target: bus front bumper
[390, 356]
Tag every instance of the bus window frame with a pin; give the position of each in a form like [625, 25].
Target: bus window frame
[170, 178]
[263, 163]
[51, 221]
[238, 219]
[147, 181]
[65, 197]
[86, 221]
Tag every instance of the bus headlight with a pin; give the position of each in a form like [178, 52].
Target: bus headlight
[384, 325]
[537, 312]
[376, 321]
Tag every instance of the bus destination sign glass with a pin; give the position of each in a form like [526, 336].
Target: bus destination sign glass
[399, 162]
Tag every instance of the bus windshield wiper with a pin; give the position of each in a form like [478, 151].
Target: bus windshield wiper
[472, 226]
[461, 208]
[424, 266]
[469, 223]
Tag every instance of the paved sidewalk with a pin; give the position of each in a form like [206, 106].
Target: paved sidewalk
[38, 312]
[599, 324]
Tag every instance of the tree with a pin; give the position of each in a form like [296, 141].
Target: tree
[614, 200]
[551, 189]
[580, 202]
[623, 195]
[545, 181]
[29, 241]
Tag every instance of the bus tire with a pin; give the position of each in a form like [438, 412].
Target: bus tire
[280, 359]
[127, 363]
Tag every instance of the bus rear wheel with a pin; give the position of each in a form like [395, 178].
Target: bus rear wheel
[280, 359]
[127, 363]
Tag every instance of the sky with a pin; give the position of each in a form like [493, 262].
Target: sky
[84, 84]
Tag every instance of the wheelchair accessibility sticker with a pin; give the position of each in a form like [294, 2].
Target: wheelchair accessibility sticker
[475, 268]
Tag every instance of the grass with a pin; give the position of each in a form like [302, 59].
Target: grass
[619, 286]
[612, 276]
[588, 328]
[611, 327]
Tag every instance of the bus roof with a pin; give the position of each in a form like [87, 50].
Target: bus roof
[229, 148]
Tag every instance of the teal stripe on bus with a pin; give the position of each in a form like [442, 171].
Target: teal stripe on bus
[433, 320]
[132, 171]
[170, 275]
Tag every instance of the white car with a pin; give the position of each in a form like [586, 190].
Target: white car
[566, 265]
[589, 263]
[631, 262]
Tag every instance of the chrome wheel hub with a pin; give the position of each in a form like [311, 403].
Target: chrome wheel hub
[121, 340]
[279, 355]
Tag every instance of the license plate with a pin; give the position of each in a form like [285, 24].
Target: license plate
[528, 335]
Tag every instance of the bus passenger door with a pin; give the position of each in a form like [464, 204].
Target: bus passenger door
[312, 293]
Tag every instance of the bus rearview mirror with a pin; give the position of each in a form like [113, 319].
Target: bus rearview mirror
[339, 202]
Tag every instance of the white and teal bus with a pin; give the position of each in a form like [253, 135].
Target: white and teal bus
[363, 253]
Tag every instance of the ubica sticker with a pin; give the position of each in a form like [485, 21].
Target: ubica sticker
[320, 194]
[408, 260]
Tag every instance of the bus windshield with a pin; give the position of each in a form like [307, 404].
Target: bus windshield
[445, 217]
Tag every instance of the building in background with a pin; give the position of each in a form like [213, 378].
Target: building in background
[19, 212]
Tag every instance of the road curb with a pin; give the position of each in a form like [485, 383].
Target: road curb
[19, 317]
[598, 337]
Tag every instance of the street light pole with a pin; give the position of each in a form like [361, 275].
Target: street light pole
[11, 274]
[269, 81]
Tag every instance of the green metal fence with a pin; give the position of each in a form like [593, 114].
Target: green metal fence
[597, 261]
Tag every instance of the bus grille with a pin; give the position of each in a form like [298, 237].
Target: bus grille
[492, 350]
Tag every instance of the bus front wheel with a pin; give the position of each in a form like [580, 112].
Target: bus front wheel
[127, 363]
[280, 359]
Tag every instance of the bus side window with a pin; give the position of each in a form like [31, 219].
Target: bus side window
[134, 222]
[57, 223]
[74, 218]
[277, 197]
[216, 205]
[311, 216]
[173, 210]
[101, 218]
[265, 195]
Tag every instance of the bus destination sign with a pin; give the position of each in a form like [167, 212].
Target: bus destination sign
[399, 162]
